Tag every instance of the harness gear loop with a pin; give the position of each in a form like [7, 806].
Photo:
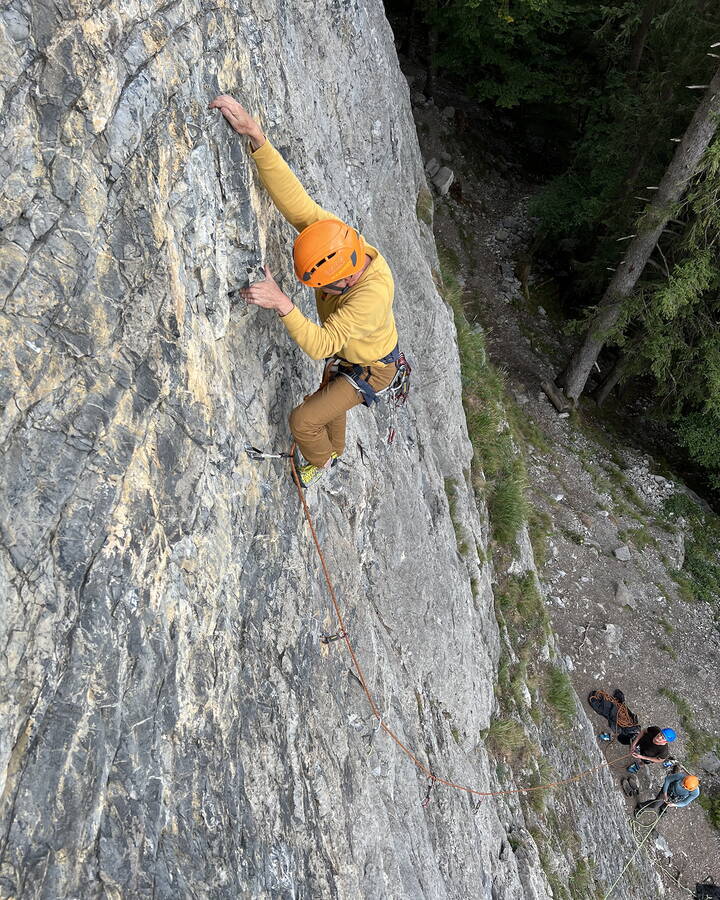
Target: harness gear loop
[358, 375]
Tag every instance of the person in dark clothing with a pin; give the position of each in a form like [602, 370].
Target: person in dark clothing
[651, 746]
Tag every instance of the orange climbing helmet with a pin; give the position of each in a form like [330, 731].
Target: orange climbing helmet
[327, 251]
[690, 782]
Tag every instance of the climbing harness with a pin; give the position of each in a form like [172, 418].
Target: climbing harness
[360, 677]
[396, 392]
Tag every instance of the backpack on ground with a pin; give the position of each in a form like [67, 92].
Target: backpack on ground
[622, 720]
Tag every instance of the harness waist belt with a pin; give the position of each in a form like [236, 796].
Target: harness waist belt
[354, 372]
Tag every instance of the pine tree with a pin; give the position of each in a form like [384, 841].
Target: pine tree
[669, 193]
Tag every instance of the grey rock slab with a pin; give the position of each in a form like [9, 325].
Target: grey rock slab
[622, 553]
[442, 180]
[623, 595]
[432, 167]
[710, 762]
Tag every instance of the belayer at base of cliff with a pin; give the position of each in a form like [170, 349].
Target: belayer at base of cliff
[354, 293]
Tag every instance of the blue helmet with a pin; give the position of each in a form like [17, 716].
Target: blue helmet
[668, 734]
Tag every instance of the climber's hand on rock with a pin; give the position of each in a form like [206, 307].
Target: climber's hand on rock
[267, 294]
[239, 118]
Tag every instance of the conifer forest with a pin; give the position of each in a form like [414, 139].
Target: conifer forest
[620, 103]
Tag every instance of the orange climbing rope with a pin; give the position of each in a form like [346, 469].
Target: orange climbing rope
[343, 633]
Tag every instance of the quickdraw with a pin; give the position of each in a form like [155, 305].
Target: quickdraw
[254, 453]
[431, 785]
[329, 638]
[399, 388]
[397, 393]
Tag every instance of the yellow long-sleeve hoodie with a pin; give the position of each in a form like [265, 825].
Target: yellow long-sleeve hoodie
[358, 326]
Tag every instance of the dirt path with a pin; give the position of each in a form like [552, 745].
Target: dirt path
[619, 623]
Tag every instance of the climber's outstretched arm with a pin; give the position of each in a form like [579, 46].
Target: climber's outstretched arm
[290, 197]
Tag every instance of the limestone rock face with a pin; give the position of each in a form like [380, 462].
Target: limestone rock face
[170, 723]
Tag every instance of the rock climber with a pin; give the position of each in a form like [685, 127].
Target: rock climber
[650, 746]
[354, 296]
[678, 790]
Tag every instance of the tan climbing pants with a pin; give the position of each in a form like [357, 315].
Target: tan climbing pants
[318, 424]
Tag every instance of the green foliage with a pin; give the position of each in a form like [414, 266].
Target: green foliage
[697, 741]
[507, 504]
[627, 122]
[639, 537]
[451, 491]
[582, 881]
[522, 606]
[544, 775]
[424, 206]
[711, 804]
[529, 52]
[560, 696]
[539, 528]
[498, 470]
[505, 737]
[699, 577]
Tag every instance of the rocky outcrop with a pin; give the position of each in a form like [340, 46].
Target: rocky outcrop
[171, 725]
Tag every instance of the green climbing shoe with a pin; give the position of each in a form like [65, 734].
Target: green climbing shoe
[309, 473]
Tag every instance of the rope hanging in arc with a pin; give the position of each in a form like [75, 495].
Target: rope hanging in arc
[343, 634]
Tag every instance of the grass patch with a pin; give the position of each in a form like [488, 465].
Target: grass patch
[559, 891]
[539, 529]
[698, 742]
[523, 426]
[451, 491]
[518, 686]
[424, 206]
[669, 650]
[544, 775]
[699, 578]
[573, 536]
[506, 737]
[560, 696]
[711, 804]
[522, 606]
[582, 881]
[498, 473]
[507, 504]
[639, 537]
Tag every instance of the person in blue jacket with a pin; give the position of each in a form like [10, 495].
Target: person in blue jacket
[678, 790]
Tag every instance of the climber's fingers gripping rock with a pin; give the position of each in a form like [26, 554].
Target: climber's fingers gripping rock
[267, 294]
[238, 118]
